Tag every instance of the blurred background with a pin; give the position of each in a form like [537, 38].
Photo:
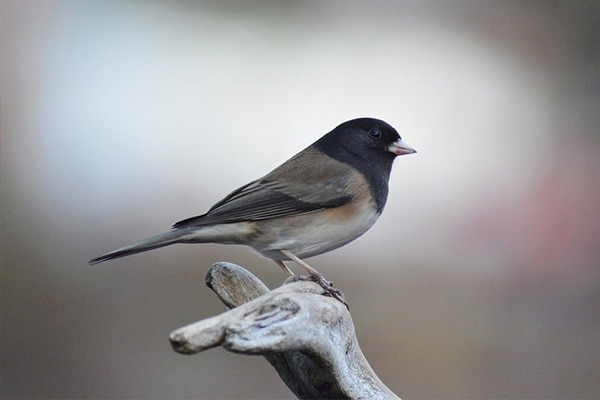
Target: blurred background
[482, 278]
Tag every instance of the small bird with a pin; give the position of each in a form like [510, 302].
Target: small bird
[320, 199]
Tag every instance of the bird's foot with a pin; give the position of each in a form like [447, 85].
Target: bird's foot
[329, 289]
[314, 276]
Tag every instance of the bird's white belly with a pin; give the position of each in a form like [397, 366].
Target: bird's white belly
[309, 235]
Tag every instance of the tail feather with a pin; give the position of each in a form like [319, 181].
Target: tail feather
[154, 242]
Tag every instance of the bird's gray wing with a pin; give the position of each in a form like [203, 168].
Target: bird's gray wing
[285, 191]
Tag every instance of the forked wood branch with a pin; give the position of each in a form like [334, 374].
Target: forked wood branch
[309, 338]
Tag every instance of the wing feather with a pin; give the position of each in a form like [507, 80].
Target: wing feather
[285, 191]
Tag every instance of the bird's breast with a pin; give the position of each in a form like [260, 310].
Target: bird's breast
[315, 233]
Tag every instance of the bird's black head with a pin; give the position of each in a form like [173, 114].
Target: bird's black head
[364, 143]
[370, 146]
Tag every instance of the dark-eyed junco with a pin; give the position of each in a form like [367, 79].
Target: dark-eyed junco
[322, 198]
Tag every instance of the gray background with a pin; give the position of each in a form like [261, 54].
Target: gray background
[482, 278]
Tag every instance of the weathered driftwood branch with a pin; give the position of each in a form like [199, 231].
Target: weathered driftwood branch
[307, 337]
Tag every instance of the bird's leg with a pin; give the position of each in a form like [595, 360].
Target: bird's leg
[317, 277]
[284, 267]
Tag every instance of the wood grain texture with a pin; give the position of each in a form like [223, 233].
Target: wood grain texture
[307, 337]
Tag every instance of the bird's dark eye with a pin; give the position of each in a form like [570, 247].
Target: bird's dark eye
[375, 133]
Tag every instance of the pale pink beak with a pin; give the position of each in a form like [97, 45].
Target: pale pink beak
[399, 148]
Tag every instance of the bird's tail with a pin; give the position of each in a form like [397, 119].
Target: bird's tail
[154, 242]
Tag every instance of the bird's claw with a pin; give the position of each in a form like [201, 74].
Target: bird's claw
[327, 286]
